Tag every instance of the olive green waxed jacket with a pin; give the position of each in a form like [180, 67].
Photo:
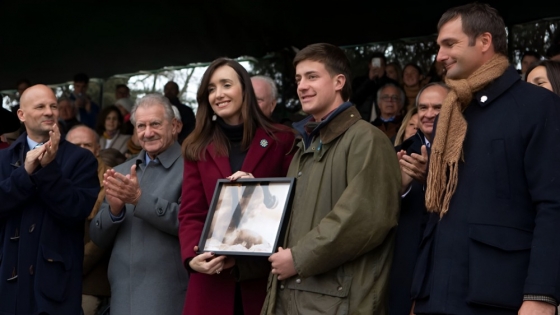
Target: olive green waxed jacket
[341, 229]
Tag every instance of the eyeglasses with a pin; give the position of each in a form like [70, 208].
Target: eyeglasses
[390, 98]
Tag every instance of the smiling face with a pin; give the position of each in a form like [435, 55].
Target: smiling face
[318, 91]
[458, 57]
[155, 132]
[411, 76]
[538, 76]
[39, 111]
[429, 106]
[112, 121]
[225, 95]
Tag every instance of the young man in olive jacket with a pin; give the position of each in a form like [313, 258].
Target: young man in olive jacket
[339, 242]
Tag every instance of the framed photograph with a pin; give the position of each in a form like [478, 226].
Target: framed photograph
[247, 217]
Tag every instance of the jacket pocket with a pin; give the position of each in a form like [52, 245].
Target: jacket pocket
[53, 274]
[322, 294]
[498, 262]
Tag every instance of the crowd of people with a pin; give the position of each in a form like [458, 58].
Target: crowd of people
[415, 193]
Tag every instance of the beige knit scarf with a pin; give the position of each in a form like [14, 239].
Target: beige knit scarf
[447, 147]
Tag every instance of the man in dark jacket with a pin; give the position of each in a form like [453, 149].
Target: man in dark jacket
[171, 91]
[47, 189]
[491, 244]
[413, 158]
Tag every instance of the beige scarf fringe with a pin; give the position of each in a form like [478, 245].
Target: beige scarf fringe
[447, 148]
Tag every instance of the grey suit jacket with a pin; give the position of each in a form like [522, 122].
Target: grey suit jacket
[145, 270]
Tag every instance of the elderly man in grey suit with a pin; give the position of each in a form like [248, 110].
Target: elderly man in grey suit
[139, 218]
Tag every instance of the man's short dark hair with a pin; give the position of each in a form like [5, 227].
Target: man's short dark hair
[333, 58]
[81, 77]
[478, 18]
[531, 53]
[122, 86]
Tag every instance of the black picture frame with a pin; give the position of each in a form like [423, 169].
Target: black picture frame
[247, 217]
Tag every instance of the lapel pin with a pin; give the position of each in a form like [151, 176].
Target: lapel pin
[264, 143]
[483, 98]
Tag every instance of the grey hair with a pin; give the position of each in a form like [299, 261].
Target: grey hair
[176, 112]
[66, 98]
[151, 100]
[437, 83]
[270, 82]
[401, 93]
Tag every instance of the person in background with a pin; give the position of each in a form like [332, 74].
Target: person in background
[171, 91]
[88, 110]
[436, 73]
[95, 287]
[529, 59]
[125, 106]
[109, 128]
[232, 139]
[266, 92]
[391, 101]
[394, 71]
[9, 122]
[545, 73]
[412, 82]
[122, 91]
[112, 157]
[408, 127]
[413, 160]
[365, 87]
[68, 114]
[21, 86]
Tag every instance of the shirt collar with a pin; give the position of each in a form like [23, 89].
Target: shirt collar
[31, 143]
[166, 158]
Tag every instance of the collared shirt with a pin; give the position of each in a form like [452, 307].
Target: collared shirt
[32, 144]
[148, 160]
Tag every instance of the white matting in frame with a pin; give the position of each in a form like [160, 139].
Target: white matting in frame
[246, 217]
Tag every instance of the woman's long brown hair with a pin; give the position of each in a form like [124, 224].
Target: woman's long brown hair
[206, 130]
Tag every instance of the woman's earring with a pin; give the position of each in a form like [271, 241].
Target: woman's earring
[214, 117]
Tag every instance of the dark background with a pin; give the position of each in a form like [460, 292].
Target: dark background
[49, 41]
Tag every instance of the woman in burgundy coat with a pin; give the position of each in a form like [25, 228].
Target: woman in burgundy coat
[232, 139]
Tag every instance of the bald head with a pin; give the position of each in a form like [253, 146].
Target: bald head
[84, 137]
[38, 111]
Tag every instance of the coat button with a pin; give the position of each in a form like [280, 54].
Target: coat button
[31, 270]
[339, 288]
[298, 280]
[97, 223]
[282, 287]
[299, 174]
[160, 211]
[32, 228]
